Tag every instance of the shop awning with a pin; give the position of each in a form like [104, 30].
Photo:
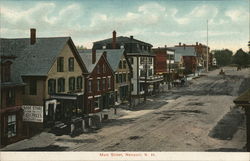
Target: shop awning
[72, 96]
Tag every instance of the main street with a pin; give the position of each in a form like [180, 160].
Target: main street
[199, 117]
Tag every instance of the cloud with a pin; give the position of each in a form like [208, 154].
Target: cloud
[204, 12]
[44, 15]
[237, 15]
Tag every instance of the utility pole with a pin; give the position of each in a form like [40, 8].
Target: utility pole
[169, 79]
[145, 82]
[207, 46]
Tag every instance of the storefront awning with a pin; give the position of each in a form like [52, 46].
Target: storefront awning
[66, 96]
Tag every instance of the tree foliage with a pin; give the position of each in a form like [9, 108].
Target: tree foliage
[80, 47]
[241, 58]
[223, 57]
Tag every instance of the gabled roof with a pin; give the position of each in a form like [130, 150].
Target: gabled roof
[32, 60]
[113, 56]
[86, 56]
[122, 39]
[183, 51]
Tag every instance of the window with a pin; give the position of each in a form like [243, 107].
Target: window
[97, 102]
[98, 84]
[124, 77]
[98, 69]
[150, 72]
[132, 87]
[124, 64]
[120, 65]
[71, 84]
[60, 63]
[5, 72]
[103, 68]
[51, 86]
[61, 85]
[142, 60]
[120, 78]
[109, 83]
[132, 60]
[90, 86]
[33, 87]
[79, 82]
[71, 64]
[117, 78]
[10, 98]
[103, 83]
[11, 126]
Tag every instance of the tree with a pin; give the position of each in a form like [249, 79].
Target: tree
[223, 57]
[80, 47]
[241, 58]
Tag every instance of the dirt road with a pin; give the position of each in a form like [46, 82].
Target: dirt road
[182, 119]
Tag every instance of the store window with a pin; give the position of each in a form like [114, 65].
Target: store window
[11, 126]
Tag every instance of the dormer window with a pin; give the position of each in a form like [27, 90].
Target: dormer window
[5, 71]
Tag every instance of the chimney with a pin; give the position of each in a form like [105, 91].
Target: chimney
[196, 43]
[131, 37]
[165, 46]
[93, 56]
[32, 36]
[179, 43]
[114, 40]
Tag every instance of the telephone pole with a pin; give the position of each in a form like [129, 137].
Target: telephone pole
[207, 46]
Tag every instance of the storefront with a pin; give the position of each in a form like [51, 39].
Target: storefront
[62, 108]
[11, 125]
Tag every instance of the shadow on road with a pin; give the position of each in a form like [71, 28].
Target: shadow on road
[228, 125]
[46, 148]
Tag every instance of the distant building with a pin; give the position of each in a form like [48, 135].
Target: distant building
[185, 56]
[141, 59]
[122, 69]
[164, 63]
[99, 81]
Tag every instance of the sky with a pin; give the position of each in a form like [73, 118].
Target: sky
[159, 22]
